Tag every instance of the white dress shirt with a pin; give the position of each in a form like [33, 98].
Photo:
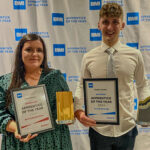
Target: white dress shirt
[129, 66]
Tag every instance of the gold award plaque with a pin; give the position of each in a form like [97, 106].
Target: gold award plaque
[143, 117]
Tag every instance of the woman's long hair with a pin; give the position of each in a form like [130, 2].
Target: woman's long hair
[18, 75]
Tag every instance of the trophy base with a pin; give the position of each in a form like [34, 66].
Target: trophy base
[143, 123]
[64, 121]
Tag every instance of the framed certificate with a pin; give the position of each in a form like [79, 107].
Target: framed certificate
[32, 110]
[101, 100]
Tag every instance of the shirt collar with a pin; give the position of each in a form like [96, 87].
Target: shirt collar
[116, 46]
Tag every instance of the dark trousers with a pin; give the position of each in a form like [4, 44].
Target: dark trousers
[124, 142]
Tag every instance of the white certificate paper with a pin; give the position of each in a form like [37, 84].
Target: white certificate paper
[32, 110]
[101, 100]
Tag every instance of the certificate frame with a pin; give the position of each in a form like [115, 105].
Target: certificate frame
[101, 100]
[32, 110]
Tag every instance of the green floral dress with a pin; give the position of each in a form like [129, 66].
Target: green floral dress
[57, 139]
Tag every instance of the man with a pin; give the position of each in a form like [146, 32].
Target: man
[128, 66]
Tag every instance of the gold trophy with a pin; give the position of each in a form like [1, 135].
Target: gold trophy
[65, 110]
[143, 117]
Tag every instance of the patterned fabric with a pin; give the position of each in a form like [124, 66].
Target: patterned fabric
[57, 139]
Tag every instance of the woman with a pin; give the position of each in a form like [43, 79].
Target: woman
[31, 69]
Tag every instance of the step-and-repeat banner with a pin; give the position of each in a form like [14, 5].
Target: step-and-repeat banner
[69, 28]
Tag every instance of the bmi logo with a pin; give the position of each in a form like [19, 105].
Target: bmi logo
[95, 4]
[57, 19]
[19, 95]
[19, 33]
[90, 85]
[65, 75]
[133, 18]
[95, 35]
[59, 50]
[134, 45]
[19, 4]
[136, 104]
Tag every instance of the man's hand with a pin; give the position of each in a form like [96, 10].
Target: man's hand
[88, 122]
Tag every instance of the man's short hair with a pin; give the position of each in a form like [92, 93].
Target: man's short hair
[111, 10]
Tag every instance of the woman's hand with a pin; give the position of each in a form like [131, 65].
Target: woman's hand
[28, 138]
[12, 127]
[86, 121]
